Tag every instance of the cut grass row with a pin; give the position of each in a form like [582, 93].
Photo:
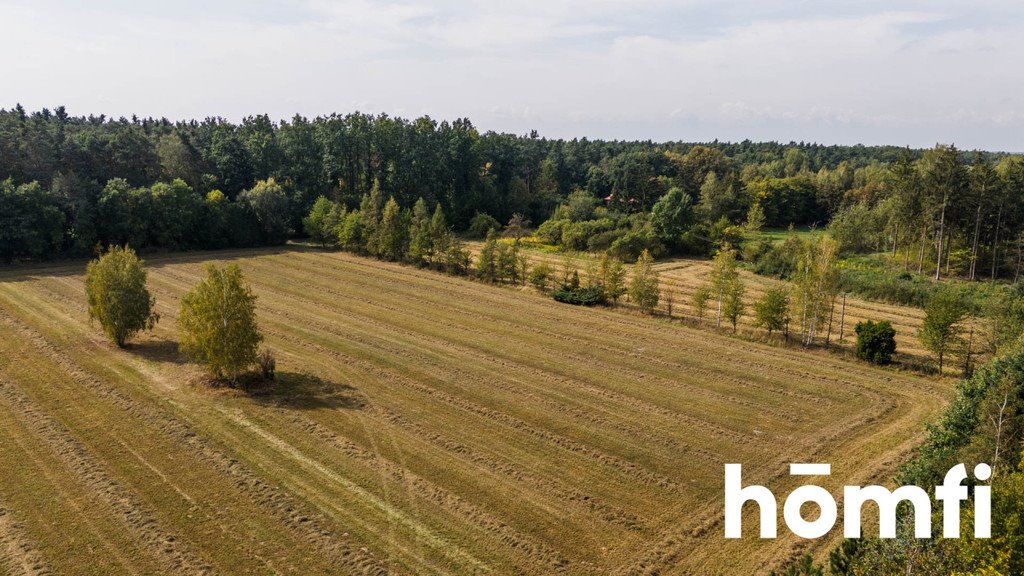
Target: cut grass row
[423, 424]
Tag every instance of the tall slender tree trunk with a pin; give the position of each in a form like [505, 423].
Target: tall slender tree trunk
[895, 239]
[974, 243]
[949, 248]
[942, 232]
[920, 257]
[995, 243]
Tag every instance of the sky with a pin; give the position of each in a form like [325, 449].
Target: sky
[874, 72]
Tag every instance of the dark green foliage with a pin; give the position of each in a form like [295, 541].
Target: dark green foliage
[321, 224]
[268, 204]
[481, 224]
[984, 423]
[876, 341]
[771, 310]
[31, 224]
[887, 286]
[624, 196]
[580, 296]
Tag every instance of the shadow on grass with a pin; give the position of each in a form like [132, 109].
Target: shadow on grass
[157, 350]
[303, 392]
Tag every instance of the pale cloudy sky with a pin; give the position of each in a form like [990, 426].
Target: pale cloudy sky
[897, 71]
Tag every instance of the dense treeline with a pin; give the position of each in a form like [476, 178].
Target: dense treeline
[57, 170]
[943, 215]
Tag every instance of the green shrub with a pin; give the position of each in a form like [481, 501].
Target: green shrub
[876, 341]
[481, 224]
[633, 243]
[585, 296]
[603, 240]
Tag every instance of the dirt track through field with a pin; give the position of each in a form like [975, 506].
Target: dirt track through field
[421, 424]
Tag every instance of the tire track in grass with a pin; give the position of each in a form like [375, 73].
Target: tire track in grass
[421, 531]
[589, 413]
[518, 327]
[175, 556]
[307, 526]
[625, 467]
[551, 561]
[539, 555]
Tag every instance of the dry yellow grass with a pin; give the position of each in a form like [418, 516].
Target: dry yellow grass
[422, 424]
[682, 277]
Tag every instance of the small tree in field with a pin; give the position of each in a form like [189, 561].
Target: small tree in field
[701, 297]
[771, 311]
[540, 276]
[613, 277]
[218, 323]
[115, 285]
[643, 289]
[941, 332]
[876, 341]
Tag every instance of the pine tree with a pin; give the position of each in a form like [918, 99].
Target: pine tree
[487, 261]
[440, 235]
[421, 245]
[351, 235]
[322, 222]
[771, 310]
[392, 232]
[701, 297]
[613, 277]
[370, 210]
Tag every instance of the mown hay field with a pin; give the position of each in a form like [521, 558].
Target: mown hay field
[422, 424]
[681, 277]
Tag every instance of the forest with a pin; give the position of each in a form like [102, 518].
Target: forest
[68, 184]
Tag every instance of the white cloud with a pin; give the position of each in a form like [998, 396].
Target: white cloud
[904, 72]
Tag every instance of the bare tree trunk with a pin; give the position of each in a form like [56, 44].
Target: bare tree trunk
[895, 239]
[995, 243]
[998, 422]
[920, 258]
[949, 248]
[942, 235]
[974, 244]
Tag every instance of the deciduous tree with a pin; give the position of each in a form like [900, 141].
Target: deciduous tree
[115, 286]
